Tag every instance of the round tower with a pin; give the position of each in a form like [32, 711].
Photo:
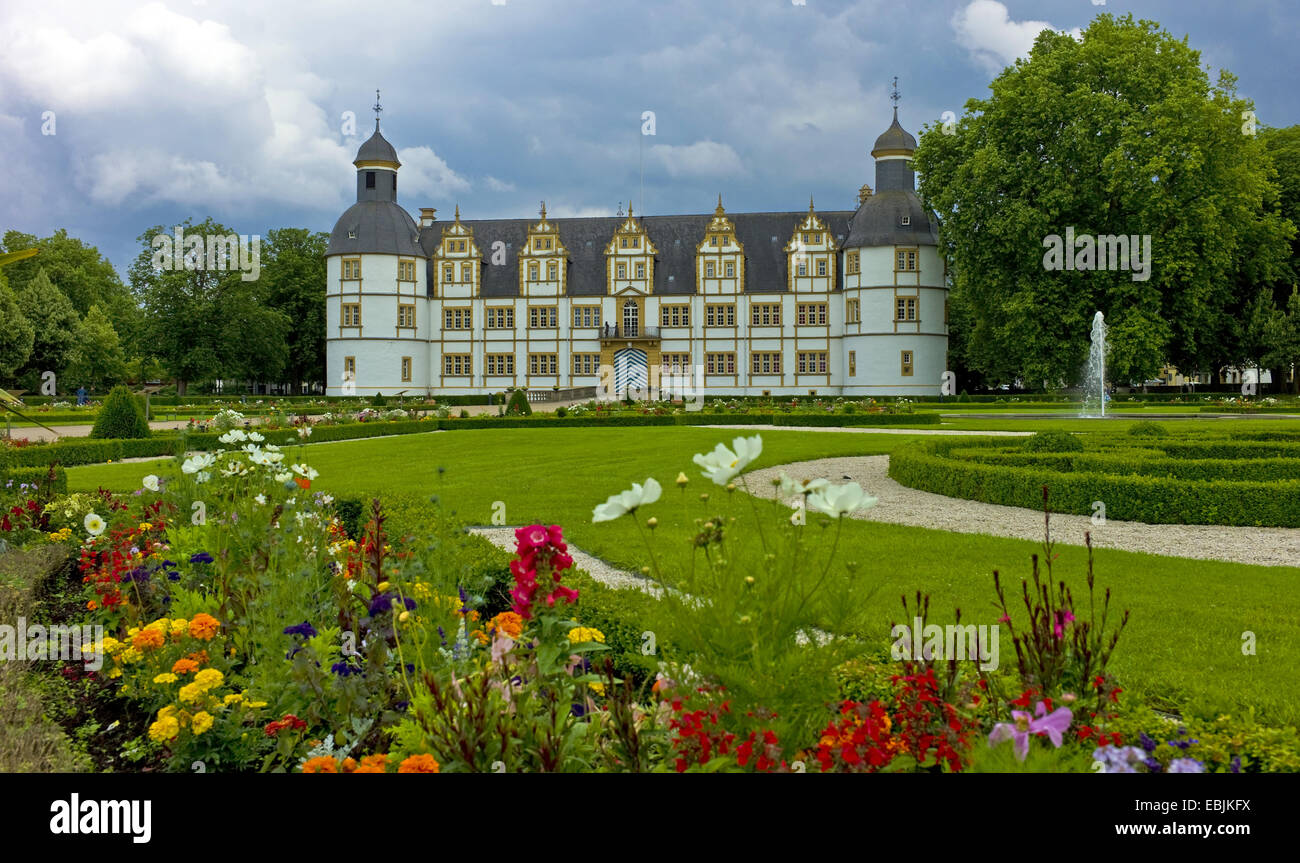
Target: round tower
[896, 328]
[376, 327]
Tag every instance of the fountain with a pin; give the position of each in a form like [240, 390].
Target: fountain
[1094, 383]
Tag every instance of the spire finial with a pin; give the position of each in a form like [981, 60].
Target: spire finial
[378, 108]
[719, 212]
[543, 211]
[458, 212]
[629, 209]
[810, 203]
[894, 96]
[620, 208]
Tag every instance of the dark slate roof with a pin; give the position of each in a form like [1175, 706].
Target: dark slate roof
[378, 227]
[878, 221]
[895, 138]
[376, 149]
[762, 235]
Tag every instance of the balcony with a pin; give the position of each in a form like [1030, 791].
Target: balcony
[615, 333]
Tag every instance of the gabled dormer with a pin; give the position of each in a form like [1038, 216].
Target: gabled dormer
[720, 257]
[457, 262]
[810, 254]
[630, 258]
[542, 270]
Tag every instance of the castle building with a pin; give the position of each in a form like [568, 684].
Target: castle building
[842, 302]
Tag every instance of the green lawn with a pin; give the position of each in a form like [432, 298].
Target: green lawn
[1182, 646]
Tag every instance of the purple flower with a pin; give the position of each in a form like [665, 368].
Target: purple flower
[1052, 724]
[1118, 759]
[1235, 766]
[201, 557]
[1152, 765]
[1147, 743]
[442, 634]
[343, 669]
[1186, 765]
[383, 602]
[305, 629]
[173, 576]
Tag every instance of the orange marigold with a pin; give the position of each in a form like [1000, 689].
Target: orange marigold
[373, 764]
[146, 639]
[418, 764]
[349, 765]
[204, 626]
[508, 622]
[321, 764]
[199, 656]
[184, 666]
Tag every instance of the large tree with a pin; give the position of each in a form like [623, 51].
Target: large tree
[1119, 132]
[55, 322]
[294, 270]
[96, 360]
[16, 334]
[208, 321]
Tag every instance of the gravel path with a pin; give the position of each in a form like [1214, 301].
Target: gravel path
[1266, 546]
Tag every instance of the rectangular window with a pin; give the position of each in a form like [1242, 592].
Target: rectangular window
[351, 269]
[457, 319]
[467, 272]
[853, 363]
[674, 316]
[640, 271]
[455, 365]
[676, 364]
[500, 318]
[542, 364]
[622, 269]
[708, 270]
[406, 271]
[720, 315]
[552, 270]
[350, 367]
[905, 260]
[821, 267]
[586, 364]
[905, 309]
[351, 314]
[720, 364]
[731, 269]
[448, 273]
[500, 364]
[406, 369]
[543, 317]
[803, 268]
[406, 316]
[765, 315]
[586, 316]
[852, 312]
[810, 314]
[765, 363]
[905, 360]
[852, 264]
[811, 363]
[532, 272]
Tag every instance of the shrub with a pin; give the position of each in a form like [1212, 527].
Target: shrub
[561, 412]
[120, 417]
[519, 405]
[1147, 428]
[379, 401]
[464, 414]
[1053, 440]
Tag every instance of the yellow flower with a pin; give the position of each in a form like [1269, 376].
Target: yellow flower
[169, 710]
[180, 626]
[598, 688]
[164, 730]
[144, 525]
[208, 678]
[201, 722]
[111, 645]
[233, 698]
[167, 677]
[255, 705]
[116, 672]
[421, 590]
[583, 634]
[191, 693]
[131, 654]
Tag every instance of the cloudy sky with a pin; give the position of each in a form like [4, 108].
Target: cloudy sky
[191, 108]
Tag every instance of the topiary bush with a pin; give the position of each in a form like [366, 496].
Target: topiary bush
[1147, 428]
[1053, 440]
[379, 401]
[518, 405]
[120, 417]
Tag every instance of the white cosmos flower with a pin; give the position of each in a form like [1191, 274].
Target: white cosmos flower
[150, 482]
[791, 487]
[94, 524]
[304, 470]
[202, 476]
[261, 499]
[234, 436]
[722, 464]
[284, 476]
[196, 463]
[627, 501]
[254, 436]
[304, 431]
[840, 500]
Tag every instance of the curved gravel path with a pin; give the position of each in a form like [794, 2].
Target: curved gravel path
[1265, 546]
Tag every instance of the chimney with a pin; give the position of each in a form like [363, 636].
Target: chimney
[427, 216]
[863, 194]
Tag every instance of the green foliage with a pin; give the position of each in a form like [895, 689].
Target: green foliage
[95, 359]
[55, 321]
[1148, 428]
[1053, 440]
[293, 268]
[379, 401]
[518, 404]
[17, 335]
[121, 416]
[1077, 136]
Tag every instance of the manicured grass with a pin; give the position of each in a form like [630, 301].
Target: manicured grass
[1182, 647]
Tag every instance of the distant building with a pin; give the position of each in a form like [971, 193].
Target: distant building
[838, 302]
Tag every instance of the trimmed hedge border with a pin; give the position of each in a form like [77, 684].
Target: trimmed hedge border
[1141, 463]
[927, 466]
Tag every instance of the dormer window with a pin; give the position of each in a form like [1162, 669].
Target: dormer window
[370, 179]
[907, 220]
